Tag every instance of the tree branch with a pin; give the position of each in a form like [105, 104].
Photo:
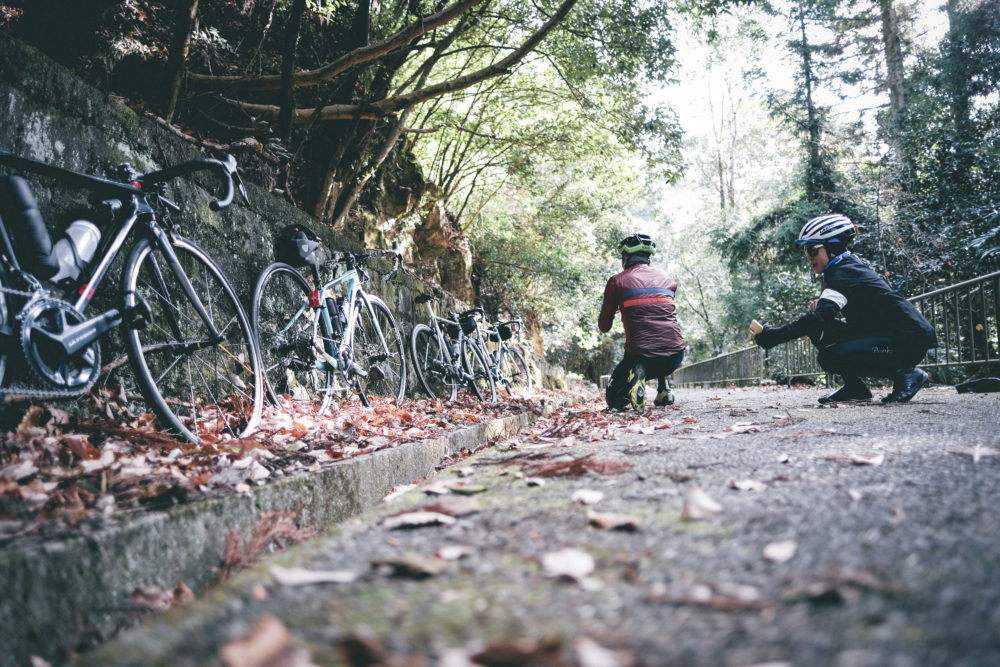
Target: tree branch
[206, 83]
[399, 102]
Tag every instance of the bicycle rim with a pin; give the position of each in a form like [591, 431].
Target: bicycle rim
[286, 339]
[481, 384]
[370, 353]
[434, 372]
[207, 390]
[516, 374]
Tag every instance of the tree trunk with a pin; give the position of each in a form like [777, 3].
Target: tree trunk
[350, 193]
[292, 26]
[812, 116]
[331, 188]
[186, 16]
[895, 74]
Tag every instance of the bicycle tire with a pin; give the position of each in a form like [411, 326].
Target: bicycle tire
[369, 351]
[431, 365]
[481, 384]
[516, 374]
[4, 321]
[233, 365]
[290, 371]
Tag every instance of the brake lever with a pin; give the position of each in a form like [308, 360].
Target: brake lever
[241, 187]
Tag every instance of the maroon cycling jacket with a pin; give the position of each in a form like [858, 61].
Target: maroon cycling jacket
[646, 298]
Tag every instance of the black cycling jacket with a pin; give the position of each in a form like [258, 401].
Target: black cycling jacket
[870, 307]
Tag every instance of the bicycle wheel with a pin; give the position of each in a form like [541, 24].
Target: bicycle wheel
[197, 386]
[482, 384]
[515, 374]
[287, 339]
[435, 372]
[387, 361]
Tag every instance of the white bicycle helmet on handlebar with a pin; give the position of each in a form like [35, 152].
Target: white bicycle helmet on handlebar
[833, 228]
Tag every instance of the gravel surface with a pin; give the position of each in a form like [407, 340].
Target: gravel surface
[894, 563]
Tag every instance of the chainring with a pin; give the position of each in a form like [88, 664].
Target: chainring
[72, 373]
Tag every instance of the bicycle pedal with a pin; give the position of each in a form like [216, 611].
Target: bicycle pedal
[375, 374]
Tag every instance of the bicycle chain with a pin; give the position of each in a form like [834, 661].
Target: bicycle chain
[15, 292]
[39, 393]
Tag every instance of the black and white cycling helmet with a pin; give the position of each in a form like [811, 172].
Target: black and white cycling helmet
[833, 228]
[637, 243]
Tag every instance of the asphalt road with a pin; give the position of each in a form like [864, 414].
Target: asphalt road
[891, 512]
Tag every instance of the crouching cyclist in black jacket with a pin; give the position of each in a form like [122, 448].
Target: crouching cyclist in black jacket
[881, 335]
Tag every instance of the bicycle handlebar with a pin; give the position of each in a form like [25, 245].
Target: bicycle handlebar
[359, 258]
[225, 170]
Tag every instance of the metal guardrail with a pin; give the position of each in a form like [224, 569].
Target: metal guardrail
[742, 368]
[966, 318]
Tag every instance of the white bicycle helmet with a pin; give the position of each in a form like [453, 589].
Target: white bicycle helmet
[833, 228]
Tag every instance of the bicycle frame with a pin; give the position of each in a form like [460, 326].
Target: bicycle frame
[454, 363]
[352, 281]
[135, 209]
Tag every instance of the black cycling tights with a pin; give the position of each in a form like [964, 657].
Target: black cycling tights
[655, 367]
[869, 357]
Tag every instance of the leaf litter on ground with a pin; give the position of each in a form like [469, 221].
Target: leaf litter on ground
[57, 469]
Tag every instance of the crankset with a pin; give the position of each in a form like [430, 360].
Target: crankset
[61, 345]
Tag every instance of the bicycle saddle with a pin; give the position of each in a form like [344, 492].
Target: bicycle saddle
[423, 298]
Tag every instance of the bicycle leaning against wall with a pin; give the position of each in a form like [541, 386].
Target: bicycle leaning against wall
[446, 359]
[186, 335]
[317, 346]
[510, 370]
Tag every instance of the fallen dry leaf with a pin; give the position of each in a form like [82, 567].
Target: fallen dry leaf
[267, 641]
[469, 489]
[575, 468]
[748, 485]
[698, 505]
[613, 521]
[570, 563]
[417, 520]
[414, 565]
[182, 593]
[455, 551]
[976, 452]
[522, 653]
[591, 654]
[744, 427]
[398, 491]
[780, 552]
[856, 459]
[587, 496]
[453, 506]
[297, 576]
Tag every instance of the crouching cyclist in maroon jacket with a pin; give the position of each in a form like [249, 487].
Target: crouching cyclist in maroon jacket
[654, 346]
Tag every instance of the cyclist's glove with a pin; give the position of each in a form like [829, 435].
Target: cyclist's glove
[770, 337]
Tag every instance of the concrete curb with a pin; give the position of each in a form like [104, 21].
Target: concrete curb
[66, 596]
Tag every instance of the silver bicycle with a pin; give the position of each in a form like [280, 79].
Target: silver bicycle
[316, 345]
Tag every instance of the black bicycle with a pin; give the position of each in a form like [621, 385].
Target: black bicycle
[187, 337]
[445, 359]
